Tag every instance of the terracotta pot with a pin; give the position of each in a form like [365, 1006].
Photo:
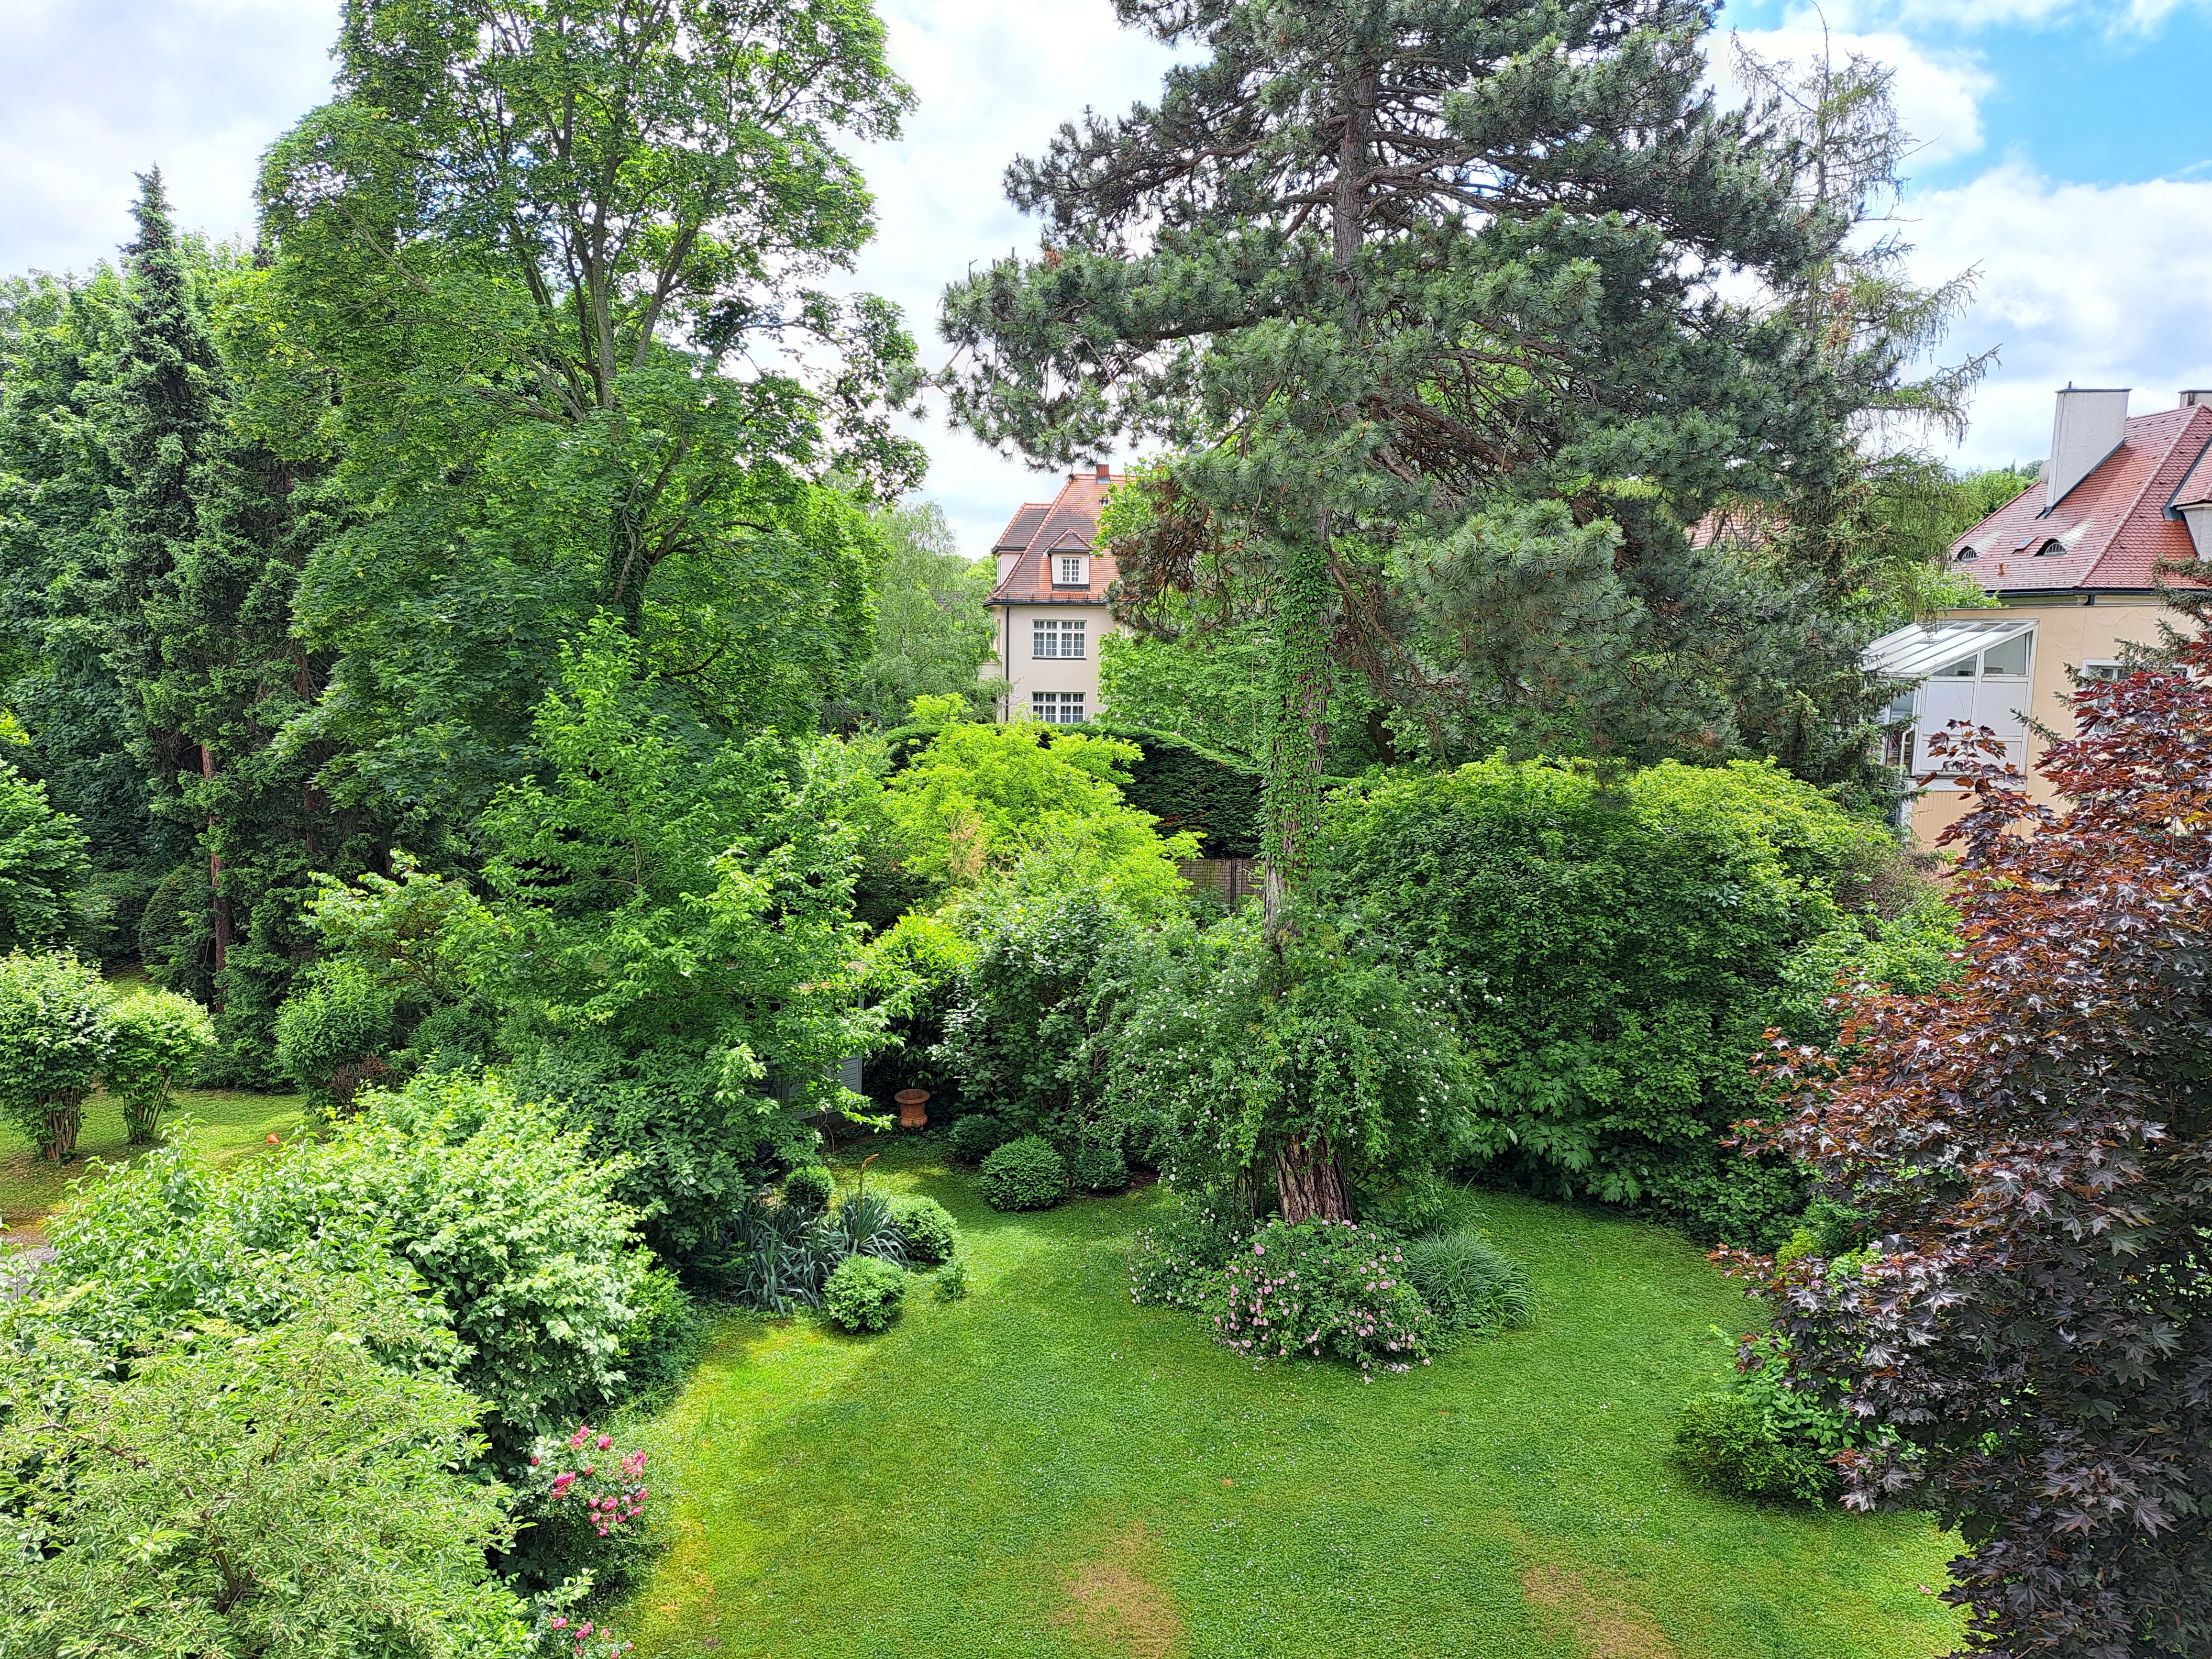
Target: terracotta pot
[912, 1104]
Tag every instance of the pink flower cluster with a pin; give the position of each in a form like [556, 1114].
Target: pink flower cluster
[579, 1635]
[611, 1497]
[1331, 1287]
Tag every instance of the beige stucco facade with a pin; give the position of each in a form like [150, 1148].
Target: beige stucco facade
[2066, 636]
[1057, 676]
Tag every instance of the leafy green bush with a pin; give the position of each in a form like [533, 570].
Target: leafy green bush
[348, 1522]
[1726, 1441]
[863, 1294]
[1179, 1258]
[664, 1337]
[951, 1280]
[1316, 1288]
[810, 1187]
[57, 1025]
[46, 869]
[487, 1200]
[1469, 1285]
[976, 1137]
[927, 1227]
[157, 1037]
[1024, 1175]
[1630, 941]
[1094, 1167]
[331, 1036]
[1763, 1437]
[581, 1506]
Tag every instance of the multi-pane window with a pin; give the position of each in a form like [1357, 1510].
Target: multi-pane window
[1051, 637]
[1057, 708]
[1067, 571]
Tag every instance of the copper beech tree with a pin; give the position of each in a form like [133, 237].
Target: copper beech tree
[2033, 1321]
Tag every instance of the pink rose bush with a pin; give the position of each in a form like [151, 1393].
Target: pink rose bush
[1322, 1289]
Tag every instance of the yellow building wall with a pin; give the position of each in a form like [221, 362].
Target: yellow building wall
[2066, 636]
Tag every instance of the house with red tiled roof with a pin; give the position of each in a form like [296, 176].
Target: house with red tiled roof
[1050, 598]
[2072, 562]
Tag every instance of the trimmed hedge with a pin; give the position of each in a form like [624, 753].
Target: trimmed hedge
[927, 1227]
[1024, 1175]
[863, 1294]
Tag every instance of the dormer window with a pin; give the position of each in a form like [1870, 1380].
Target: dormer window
[2050, 549]
[1070, 571]
[1965, 554]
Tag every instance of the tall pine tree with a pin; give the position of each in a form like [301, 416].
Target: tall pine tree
[1426, 293]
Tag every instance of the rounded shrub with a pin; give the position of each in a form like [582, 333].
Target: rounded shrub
[1024, 1175]
[157, 1038]
[979, 1134]
[56, 1027]
[1311, 1288]
[926, 1226]
[1096, 1168]
[863, 1294]
[1470, 1285]
[809, 1187]
[1726, 1440]
[330, 1038]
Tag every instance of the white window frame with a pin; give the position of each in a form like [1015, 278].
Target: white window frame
[1058, 708]
[1071, 570]
[2104, 668]
[1050, 638]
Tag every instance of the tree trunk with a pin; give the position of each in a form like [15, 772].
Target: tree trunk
[1309, 1184]
[62, 1123]
[1300, 695]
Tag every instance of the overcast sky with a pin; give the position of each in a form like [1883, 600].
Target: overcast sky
[2068, 155]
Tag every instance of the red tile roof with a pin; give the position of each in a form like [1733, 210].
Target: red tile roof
[1066, 524]
[2111, 529]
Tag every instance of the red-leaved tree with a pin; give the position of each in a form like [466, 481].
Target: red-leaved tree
[2034, 1145]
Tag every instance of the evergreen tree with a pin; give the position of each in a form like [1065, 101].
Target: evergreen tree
[1426, 294]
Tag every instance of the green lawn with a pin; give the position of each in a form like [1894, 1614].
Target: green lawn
[1044, 1469]
[232, 1125]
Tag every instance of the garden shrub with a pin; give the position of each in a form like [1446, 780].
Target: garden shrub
[1027, 1174]
[1470, 1285]
[350, 1521]
[810, 1187]
[579, 1506]
[1179, 1258]
[976, 1136]
[951, 1280]
[664, 1337]
[484, 1199]
[1097, 1167]
[1319, 1288]
[57, 1026]
[331, 1036]
[927, 1227]
[45, 867]
[1762, 1438]
[1726, 1441]
[863, 1294]
[1630, 941]
[155, 1038]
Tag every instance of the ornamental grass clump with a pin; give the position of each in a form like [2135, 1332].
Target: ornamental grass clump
[1319, 1288]
[1472, 1287]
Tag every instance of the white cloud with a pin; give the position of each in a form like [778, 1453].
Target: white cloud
[2097, 284]
[97, 92]
[1937, 93]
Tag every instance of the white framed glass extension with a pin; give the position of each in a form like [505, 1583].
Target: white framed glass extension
[1051, 637]
[1975, 672]
[1057, 708]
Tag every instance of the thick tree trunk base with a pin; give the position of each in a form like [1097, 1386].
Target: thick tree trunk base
[1310, 1184]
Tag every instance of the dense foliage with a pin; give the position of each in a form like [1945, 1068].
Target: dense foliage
[154, 1039]
[863, 1294]
[1616, 947]
[56, 1033]
[2029, 1152]
[1028, 1174]
[1323, 1287]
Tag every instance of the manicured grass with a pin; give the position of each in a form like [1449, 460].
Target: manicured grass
[232, 1124]
[1044, 1469]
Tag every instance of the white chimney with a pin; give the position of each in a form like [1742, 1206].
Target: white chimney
[2194, 396]
[2090, 424]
